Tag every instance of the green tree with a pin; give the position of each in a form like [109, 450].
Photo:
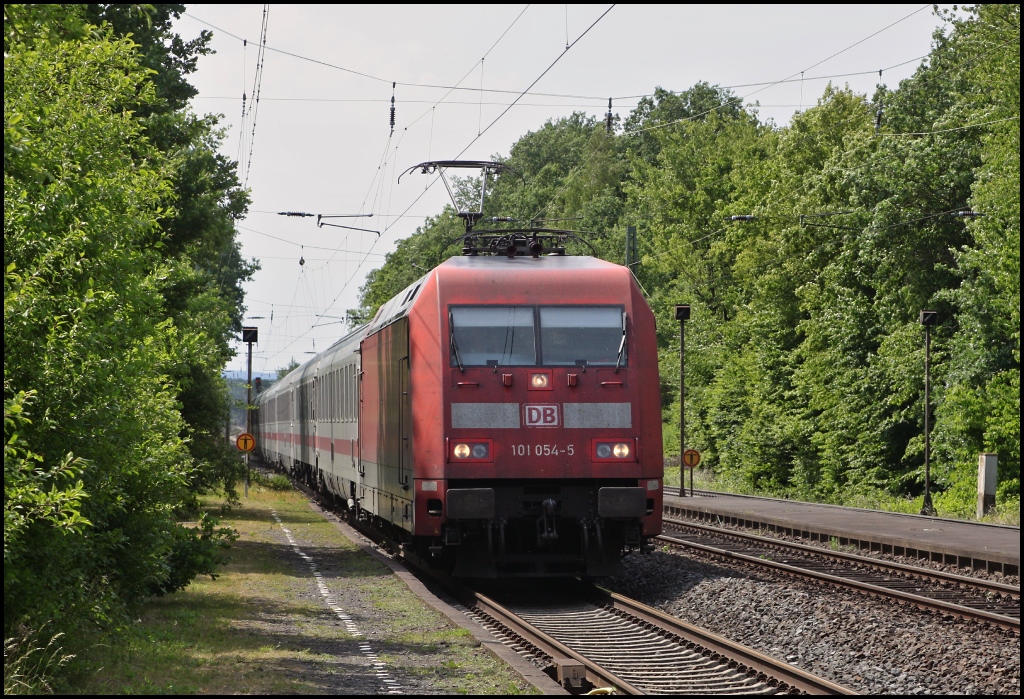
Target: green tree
[804, 354]
[203, 288]
[97, 467]
[288, 368]
[981, 409]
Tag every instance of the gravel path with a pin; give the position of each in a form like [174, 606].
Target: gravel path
[872, 646]
[365, 633]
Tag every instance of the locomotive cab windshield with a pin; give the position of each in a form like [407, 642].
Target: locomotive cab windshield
[559, 336]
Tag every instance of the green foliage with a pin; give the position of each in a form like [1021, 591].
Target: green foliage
[981, 412]
[35, 492]
[804, 357]
[202, 290]
[288, 368]
[122, 288]
[82, 328]
[29, 664]
[272, 481]
[195, 551]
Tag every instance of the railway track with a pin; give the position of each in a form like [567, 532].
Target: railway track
[961, 596]
[588, 638]
[594, 639]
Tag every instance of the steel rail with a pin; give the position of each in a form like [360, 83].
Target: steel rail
[595, 674]
[885, 566]
[920, 601]
[724, 666]
[771, 667]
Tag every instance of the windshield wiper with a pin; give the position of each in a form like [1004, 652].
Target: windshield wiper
[622, 344]
[454, 345]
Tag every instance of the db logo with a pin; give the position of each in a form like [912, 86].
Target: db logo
[541, 415]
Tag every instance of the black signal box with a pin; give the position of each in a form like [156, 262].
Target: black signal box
[250, 334]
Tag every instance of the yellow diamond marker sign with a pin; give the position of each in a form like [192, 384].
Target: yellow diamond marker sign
[245, 442]
[691, 457]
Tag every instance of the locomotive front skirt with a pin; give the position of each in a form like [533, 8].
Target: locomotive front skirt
[501, 417]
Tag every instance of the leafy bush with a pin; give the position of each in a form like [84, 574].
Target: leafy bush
[100, 363]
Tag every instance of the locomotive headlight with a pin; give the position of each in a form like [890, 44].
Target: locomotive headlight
[614, 451]
[472, 450]
[539, 380]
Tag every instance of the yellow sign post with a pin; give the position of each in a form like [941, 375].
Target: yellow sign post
[691, 457]
[245, 442]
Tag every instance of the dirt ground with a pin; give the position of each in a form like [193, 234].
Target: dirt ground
[298, 609]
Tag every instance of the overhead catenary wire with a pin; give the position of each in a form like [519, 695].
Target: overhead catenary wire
[241, 138]
[470, 71]
[254, 103]
[786, 79]
[505, 111]
[292, 242]
[382, 167]
[479, 105]
[537, 79]
[393, 219]
[392, 222]
[741, 99]
[595, 98]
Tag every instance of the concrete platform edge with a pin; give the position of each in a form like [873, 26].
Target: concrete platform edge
[823, 532]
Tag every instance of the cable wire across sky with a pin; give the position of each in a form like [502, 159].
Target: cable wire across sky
[338, 66]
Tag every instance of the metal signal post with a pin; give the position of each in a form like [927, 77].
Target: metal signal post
[249, 336]
[682, 315]
[927, 319]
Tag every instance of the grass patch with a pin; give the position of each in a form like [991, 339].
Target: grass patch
[272, 481]
[262, 628]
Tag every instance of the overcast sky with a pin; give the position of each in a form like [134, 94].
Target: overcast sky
[320, 139]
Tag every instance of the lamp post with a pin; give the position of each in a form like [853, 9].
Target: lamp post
[682, 315]
[927, 319]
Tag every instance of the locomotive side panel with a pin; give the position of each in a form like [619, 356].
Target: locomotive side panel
[427, 350]
[385, 424]
[649, 389]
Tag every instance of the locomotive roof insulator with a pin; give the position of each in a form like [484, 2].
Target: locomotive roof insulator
[518, 242]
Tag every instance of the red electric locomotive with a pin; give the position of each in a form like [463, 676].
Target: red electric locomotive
[500, 417]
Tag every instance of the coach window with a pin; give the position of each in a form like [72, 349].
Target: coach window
[488, 335]
[582, 336]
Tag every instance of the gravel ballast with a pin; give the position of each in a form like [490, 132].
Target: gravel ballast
[869, 645]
